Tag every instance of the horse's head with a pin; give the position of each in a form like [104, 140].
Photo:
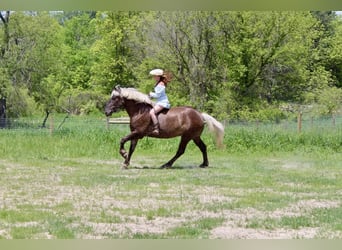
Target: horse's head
[115, 103]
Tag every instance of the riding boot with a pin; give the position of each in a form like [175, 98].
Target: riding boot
[155, 130]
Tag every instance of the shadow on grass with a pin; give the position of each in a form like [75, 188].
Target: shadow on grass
[171, 168]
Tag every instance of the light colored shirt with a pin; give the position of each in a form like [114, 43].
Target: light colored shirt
[160, 94]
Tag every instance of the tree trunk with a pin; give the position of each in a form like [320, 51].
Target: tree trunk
[5, 20]
[47, 113]
[3, 113]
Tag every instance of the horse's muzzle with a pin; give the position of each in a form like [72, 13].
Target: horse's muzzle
[108, 113]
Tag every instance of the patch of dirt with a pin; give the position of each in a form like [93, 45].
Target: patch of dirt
[133, 225]
[4, 234]
[295, 165]
[234, 227]
[230, 232]
[43, 188]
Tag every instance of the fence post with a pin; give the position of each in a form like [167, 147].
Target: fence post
[334, 120]
[107, 122]
[225, 122]
[299, 121]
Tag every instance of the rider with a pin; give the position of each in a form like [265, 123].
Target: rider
[162, 78]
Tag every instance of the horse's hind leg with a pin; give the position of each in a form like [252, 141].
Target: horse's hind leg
[181, 149]
[198, 141]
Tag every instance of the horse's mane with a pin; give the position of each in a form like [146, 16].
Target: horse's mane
[133, 94]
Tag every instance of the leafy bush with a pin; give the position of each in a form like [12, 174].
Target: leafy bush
[271, 114]
[82, 102]
[19, 103]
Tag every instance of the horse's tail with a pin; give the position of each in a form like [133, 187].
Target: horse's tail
[215, 127]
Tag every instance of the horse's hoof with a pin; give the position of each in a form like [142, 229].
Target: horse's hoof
[165, 166]
[203, 165]
[124, 166]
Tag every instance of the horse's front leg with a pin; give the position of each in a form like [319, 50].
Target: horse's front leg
[130, 152]
[133, 137]
[122, 150]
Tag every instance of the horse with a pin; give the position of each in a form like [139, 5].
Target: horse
[183, 121]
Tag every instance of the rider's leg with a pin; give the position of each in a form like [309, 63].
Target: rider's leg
[153, 114]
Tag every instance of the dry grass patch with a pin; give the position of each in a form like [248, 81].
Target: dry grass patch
[94, 199]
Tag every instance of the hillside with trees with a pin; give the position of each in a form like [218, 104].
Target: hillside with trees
[234, 65]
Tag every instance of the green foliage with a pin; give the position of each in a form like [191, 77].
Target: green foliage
[334, 52]
[271, 55]
[112, 65]
[5, 82]
[266, 114]
[82, 102]
[33, 54]
[232, 64]
[328, 100]
[79, 36]
[20, 103]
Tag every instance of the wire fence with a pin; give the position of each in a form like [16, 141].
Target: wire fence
[55, 122]
[299, 124]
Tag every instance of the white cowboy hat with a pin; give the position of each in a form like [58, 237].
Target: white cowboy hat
[157, 72]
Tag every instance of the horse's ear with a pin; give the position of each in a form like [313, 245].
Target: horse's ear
[118, 89]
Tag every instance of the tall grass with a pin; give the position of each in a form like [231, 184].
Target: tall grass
[89, 137]
[266, 138]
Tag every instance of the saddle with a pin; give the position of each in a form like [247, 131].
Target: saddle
[164, 111]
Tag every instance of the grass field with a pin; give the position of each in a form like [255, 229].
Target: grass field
[267, 183]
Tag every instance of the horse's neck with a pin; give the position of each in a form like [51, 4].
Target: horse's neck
[133, 108]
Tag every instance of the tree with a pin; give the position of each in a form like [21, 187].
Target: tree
[334, 62]
[228, 63]
[34, 53]
[4, 81]
[112, 54]
[185, 43]
[330, 99]
[270, 54]
[5, 20]
[79, 35]
[260, 58]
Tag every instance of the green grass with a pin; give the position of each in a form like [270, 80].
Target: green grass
[199, 229]
[316, 218]
[24, 232]
[60, 228]
[69, 184]
[22, 215]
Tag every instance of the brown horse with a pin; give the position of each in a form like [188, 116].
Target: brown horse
[185, 122]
